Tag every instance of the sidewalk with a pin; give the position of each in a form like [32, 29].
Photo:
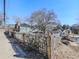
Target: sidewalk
[6, 50]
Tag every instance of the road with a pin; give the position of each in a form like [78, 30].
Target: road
[6, 49]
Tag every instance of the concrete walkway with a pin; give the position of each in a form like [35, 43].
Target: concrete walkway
[6, 50]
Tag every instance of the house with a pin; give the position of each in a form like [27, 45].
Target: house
[51, 26]
[1, 23]
[25, 28]
[1, 19]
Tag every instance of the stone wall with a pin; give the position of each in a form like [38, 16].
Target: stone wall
[37, 42]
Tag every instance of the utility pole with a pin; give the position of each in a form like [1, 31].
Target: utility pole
[4, 11]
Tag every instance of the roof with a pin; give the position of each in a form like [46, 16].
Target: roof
[37, 31]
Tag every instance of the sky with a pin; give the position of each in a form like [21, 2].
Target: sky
[67, 11]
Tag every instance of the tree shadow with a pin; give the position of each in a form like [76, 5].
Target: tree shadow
[19, 52]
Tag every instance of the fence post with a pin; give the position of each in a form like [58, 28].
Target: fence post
[23, 38]
[49, 45]
[53, 46]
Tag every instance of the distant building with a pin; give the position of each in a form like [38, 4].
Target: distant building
[25, 28]
[1, 22]
[51, 26]
[11, 25]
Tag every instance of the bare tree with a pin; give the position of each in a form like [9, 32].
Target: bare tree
[2, 18]
[17, 19]
[43, 17]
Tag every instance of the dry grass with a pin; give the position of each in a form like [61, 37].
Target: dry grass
[67, 52]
